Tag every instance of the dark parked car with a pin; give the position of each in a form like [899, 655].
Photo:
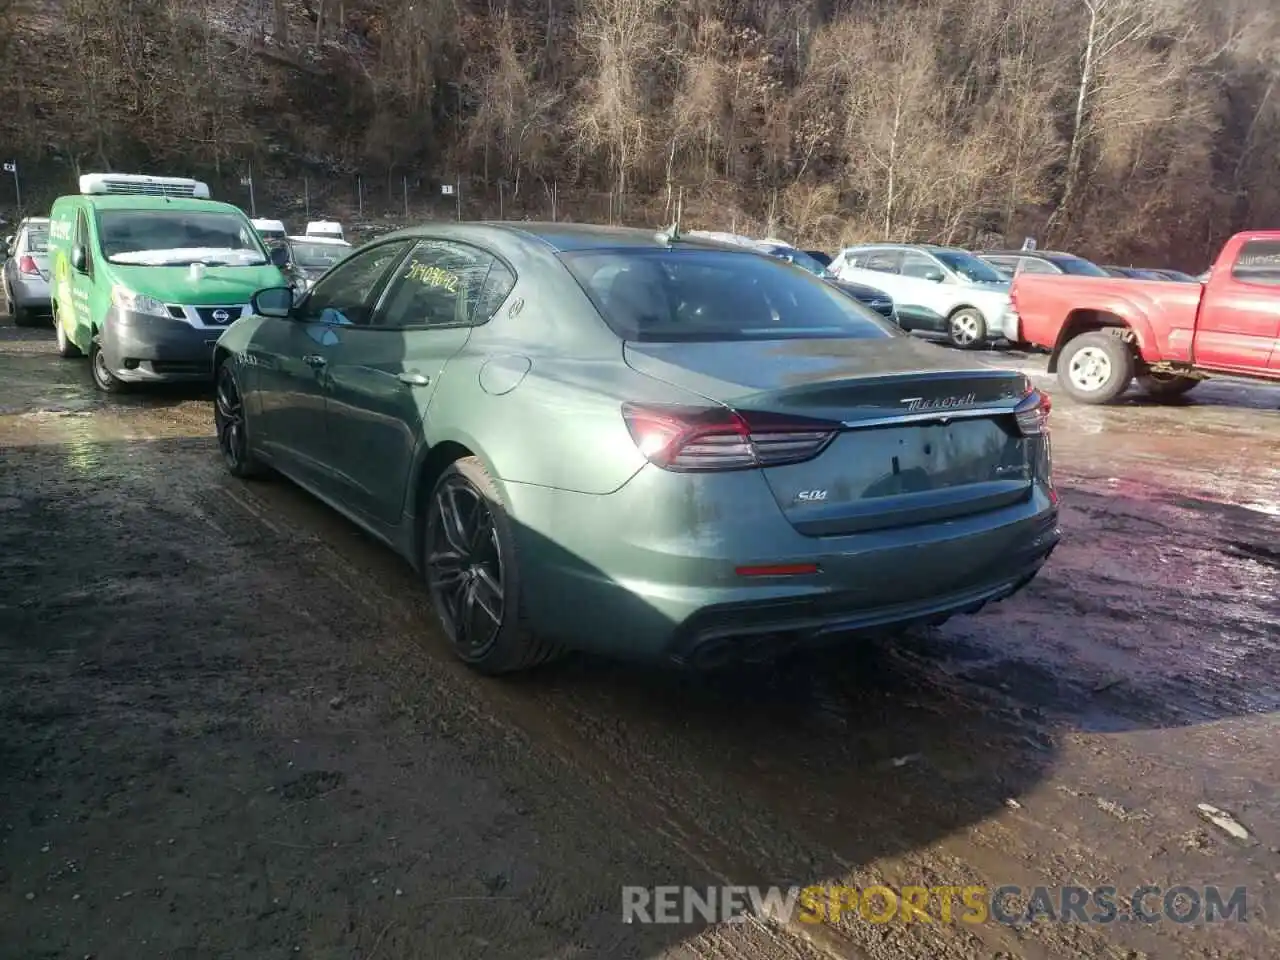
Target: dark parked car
[1009, 262]
[1177, 275]
[1134, 273]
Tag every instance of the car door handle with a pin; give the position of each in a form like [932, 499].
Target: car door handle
[414, 379]
[314, 360]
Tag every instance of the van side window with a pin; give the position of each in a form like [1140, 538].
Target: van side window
[1258, 262]
[82, 239]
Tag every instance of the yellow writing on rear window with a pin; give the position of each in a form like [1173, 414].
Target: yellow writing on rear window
[431, 276]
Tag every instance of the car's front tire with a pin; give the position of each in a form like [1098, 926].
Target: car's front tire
[967, 329]
[473, 573]
[1096, 367]
[230, 424]
[103, 378]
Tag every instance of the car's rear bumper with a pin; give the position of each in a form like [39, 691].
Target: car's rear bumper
[140, 348]
[629, 578]
[31, 293]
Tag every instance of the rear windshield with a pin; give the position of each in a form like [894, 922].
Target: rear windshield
[664, 296]
[317, 256]
[38, 239]
[1078, 266]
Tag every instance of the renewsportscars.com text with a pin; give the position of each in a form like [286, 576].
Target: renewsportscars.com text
[1009, 904]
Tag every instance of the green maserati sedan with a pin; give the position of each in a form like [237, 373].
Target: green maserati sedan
[638, 443]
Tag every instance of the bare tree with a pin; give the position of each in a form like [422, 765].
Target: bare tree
[620, 39]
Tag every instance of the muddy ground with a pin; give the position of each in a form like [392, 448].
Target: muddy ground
[230, 728]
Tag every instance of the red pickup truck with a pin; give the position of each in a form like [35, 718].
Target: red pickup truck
[1102, 331]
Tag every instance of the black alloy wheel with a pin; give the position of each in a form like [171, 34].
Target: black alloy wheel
[466, 566]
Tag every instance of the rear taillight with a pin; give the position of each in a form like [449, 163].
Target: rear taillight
[1032, 414]
[28, 267]
[699, 439]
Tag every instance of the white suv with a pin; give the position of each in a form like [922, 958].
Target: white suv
[936, 290]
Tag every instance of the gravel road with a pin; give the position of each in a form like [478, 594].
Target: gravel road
[230, 728]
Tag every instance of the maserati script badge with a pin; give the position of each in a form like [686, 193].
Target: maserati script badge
[920, 404]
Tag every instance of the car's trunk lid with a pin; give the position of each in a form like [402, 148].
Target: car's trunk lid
[922, 436]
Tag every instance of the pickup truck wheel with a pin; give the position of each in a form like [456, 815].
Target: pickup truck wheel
[1095, 367]
[967, 329]
[1165, 386]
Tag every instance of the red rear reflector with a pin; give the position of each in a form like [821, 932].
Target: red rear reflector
[28, 266]
[777, 570]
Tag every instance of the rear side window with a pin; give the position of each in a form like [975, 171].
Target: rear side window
[1258, 262]
[918, 265]
[675, 295]
[884, 261]
[438, 285]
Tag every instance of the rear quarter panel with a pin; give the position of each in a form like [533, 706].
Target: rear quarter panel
[1162, 315]
[537, 392]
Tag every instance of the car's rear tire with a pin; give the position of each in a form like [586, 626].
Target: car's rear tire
[1167, 386]
[473, 573]
[103, 378]
[230, 423]
[66, 349]
[967, 329]
[1096, 367]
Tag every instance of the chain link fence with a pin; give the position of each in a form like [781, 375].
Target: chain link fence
[369, 203]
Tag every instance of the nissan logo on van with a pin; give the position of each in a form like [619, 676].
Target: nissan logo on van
[221, 316]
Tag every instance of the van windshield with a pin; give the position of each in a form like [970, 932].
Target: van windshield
[178, 237]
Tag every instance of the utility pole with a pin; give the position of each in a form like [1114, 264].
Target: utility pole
[248, 182]
[12, 167]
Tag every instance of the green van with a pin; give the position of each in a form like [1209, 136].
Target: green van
[148, 272]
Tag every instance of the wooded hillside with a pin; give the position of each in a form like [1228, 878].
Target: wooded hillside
[1129, 130]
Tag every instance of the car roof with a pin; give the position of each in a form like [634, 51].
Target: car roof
[1037, 254]
[928, 247]
[564, 237]
[332, 241]
[121, 201]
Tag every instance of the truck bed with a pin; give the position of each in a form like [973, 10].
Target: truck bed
[1162, 314]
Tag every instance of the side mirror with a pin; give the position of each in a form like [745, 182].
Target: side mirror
[273, 302]
[79, 259]
[935, 275]
[280, 255]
